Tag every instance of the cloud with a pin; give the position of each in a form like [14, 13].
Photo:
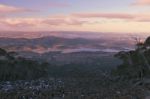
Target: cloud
[104, 15]
[135, 17]
[40, 22]
[16, 24]
[65, 21]
[141, 3]
[7, 9]
[144, 20]
[72, 21]
[19, 22]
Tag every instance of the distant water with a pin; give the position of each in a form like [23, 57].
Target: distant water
[89, 50]
[71, 34]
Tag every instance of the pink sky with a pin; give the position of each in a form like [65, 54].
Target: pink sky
[76, 15]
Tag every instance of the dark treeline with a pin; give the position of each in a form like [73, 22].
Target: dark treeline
[19, 68]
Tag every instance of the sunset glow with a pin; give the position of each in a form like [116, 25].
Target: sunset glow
[75, 15]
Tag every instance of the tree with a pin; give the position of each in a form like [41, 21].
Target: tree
[2, 52]
[136, 63]
[147, 42]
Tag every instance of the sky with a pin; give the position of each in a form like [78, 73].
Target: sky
[75, 15]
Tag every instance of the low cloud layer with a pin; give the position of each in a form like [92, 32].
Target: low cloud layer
[6, 9]
[76, 21]
[121, 16]
[29, 22]
[104, 15]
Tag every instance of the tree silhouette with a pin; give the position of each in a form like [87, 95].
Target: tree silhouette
[136, 63]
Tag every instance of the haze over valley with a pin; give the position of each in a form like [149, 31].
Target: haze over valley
[65, 42]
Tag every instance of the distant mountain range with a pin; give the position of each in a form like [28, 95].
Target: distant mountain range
[68, 48]
[65, 45]
[66, 42]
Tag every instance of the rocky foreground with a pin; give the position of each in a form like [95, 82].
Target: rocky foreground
[76, 88]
